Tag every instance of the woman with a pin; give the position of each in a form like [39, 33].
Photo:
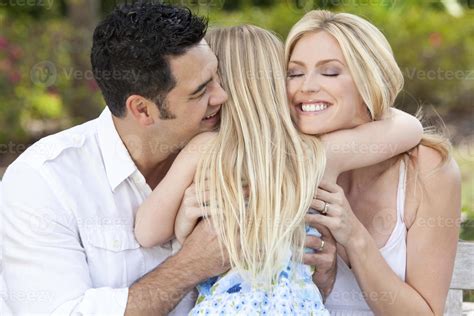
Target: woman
[396, 226]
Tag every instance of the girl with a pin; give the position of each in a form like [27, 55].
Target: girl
[256, 179]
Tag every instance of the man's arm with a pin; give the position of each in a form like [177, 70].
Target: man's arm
[158, 292]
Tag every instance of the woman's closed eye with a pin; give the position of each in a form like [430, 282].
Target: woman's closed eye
[294, 74]
[330, 74]
[330, 71]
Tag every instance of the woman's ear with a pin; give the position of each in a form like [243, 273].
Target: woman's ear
[369, 113]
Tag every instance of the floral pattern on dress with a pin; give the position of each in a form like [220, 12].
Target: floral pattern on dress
[293, 294]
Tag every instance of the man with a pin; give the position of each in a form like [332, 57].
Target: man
[70, 199]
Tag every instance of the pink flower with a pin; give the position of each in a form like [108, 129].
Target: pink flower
[53, 90]
[5, 65]
[14, 77]
[92, 85]
[435, 39]
[16, 52]
[3, 42]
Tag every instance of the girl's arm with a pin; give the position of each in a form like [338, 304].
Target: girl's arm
[155, 219]
[370, 143]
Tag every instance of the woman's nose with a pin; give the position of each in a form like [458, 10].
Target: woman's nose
[310, 84]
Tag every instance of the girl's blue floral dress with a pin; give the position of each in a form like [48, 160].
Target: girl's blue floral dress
[293, 294]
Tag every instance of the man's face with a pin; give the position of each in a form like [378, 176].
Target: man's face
[194, 104]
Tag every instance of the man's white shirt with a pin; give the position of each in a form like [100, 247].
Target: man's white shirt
[69, 204]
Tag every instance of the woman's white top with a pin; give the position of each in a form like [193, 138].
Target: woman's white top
[346, 297]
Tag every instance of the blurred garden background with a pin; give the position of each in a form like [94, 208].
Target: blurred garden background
[46, 84]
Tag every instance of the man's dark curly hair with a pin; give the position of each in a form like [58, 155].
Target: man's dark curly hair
[131, 48]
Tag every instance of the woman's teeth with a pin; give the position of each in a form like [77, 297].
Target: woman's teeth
[314, 107]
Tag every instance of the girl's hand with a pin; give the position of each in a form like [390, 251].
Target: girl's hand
[189, 213]
[335, 213]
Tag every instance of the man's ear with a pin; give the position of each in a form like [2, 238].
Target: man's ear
[140, 109]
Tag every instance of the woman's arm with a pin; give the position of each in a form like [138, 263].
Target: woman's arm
[431, 244]
[370, 143]
[163, 203]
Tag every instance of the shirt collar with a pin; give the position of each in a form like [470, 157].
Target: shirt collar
[117, 161]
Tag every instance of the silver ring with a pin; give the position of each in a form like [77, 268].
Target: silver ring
[325, 210]
[322, 246]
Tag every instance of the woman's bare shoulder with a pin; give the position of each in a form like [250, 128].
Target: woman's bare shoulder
[434, 186]
[430, 165]
[430, 182]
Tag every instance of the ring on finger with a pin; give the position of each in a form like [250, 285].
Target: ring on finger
[325, 209]
[322, 246]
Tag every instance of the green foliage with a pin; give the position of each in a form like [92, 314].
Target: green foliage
[433, 48]
[36, 75]
[465, 159]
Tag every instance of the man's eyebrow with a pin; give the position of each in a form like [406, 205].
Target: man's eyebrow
[201, 86]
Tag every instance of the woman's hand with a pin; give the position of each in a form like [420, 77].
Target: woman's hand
[323, 259]
[335, 213]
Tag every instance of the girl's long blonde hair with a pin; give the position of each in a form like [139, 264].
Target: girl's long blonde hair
[258, 148]
[370, 60]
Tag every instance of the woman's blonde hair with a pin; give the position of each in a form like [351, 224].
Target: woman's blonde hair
[259, 148]
[370, 60]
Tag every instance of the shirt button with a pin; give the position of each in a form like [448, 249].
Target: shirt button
[116, 244]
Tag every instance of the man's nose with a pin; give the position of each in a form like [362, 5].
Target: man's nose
[219, 97]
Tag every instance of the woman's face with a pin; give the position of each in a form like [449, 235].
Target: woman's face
[322, 94]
